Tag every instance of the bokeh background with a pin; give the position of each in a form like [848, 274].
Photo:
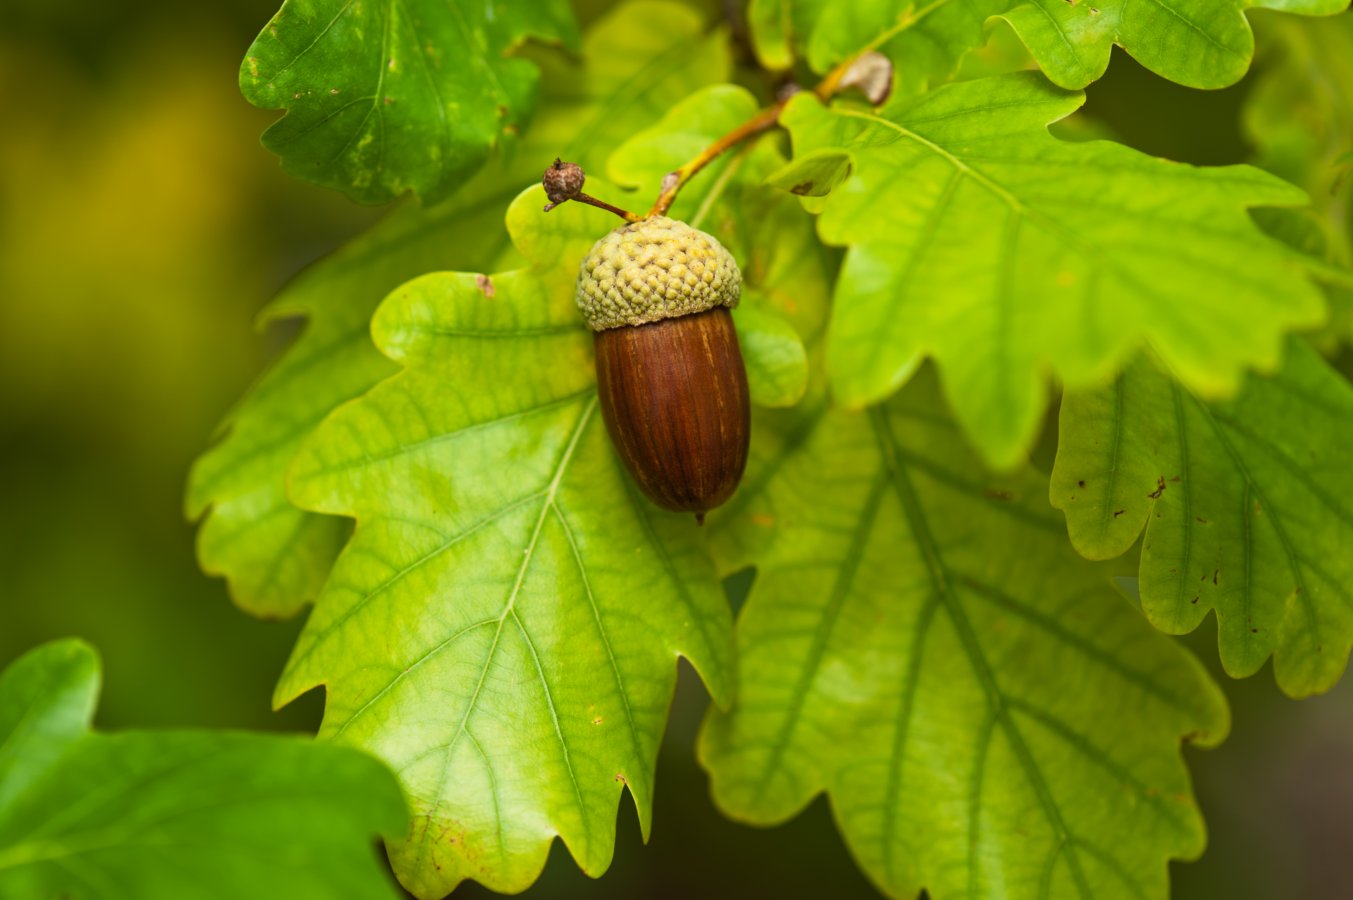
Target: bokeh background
[142, 226]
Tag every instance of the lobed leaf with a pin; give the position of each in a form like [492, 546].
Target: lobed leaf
[1245, 504]
[167, 815]
[384, 97]
[987, 717]
[977, 238]
[638, 61]
[1201, 43]
[504, 625]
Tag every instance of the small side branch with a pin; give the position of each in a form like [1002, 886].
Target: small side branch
[866, 70]
[602, 204]
[674, 181]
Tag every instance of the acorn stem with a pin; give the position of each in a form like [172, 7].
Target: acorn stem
[763, 121]
[599, 204]
[602, 204]
[674, 181]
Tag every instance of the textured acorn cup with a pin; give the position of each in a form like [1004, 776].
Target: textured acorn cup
[670, 374]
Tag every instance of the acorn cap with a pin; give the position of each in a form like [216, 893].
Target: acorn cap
[655, 269]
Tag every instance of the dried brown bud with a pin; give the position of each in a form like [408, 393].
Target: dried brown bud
[563, 181]
[871, 75]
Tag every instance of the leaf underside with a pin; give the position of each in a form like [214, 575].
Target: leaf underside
[1245, 503]
[990, 682]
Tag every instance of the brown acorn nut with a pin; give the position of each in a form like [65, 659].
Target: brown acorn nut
[671, 379]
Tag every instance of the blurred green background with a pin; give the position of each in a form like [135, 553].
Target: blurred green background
[141, 228]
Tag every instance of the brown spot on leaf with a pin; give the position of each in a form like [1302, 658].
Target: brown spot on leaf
[1160, 488]
[802, 188]
[1118, 512]
[485, 284]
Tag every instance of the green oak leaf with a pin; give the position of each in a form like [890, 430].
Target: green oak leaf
[504, 625]
[977, 238]
[385, 97]
[1202, 43]
[1246, 505]
[637, 62]
[168, 815]
[925, 41]
[1299, 119]
[1199, 43]
[921, 645]
[779, 28]
[777, 364]
[814, 174]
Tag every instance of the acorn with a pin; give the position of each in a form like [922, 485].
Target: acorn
[670, 375]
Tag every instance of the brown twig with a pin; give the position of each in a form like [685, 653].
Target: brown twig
[563, 181]
[762, 122]
[674, 181]
[602, 204]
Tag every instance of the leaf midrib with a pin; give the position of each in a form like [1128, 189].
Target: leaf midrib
[509, 610]
[943, 590]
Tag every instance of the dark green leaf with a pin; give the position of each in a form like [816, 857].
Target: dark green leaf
[175, 814]
[384, 97]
